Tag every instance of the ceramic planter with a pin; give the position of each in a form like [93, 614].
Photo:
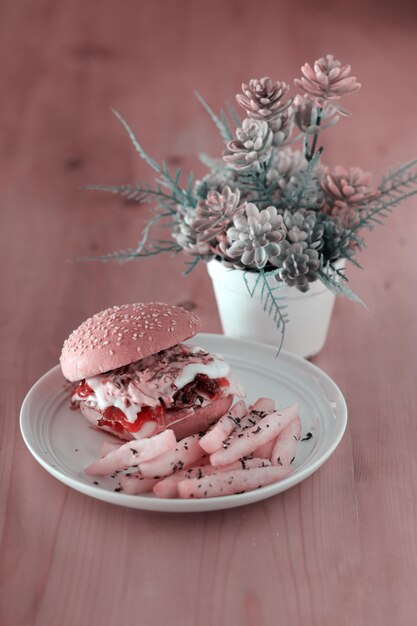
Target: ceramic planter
[242, 315]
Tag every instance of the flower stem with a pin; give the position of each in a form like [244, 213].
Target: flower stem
[313, 147]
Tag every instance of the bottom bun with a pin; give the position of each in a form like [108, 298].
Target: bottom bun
[200, 419]
[183, 423]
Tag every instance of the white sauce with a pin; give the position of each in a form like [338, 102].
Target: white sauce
[215, 369]
[131, 411]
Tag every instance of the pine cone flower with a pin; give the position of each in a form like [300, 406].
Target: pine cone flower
[282, 127]
[187, 237]
[214, 214]
[221, 250]
[215, 180]
[255, 235]
[285, 173]
[302, 227]
[298, 266]
[251, 147]
[344, 215]
[262, 99]
[350, 187]
[285, 164]
[327, 81]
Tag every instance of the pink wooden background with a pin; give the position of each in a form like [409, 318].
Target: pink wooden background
[340, 549]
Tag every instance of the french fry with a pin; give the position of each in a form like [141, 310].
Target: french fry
[186, 453]
[286, 443]
[241, 444]
[168, 486]
[132, 453]
[249, 421]
[265, 451]
[245, 464]
[263, 405]
[213, 439]
[135, 484]
[232, 482]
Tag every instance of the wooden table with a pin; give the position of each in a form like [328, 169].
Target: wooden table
[340, 548]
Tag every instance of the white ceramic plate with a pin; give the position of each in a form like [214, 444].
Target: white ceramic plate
[61, 440]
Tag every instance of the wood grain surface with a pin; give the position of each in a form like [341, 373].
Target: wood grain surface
[339, 549]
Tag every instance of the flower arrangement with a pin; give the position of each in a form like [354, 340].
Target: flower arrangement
[265, 206]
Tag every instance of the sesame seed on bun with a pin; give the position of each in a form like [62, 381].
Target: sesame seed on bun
[124, 334]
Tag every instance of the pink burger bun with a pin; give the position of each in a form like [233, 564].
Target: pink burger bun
[123, 334]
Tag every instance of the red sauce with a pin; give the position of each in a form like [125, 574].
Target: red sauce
[147, 414]
[84, 390]
[116, 419]
[115, 426]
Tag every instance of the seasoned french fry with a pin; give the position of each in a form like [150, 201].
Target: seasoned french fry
[168, 486]
[241, 444]
[186, 453]
[286, 443]
[135, 484]
[265, 451]
[132, 453]
[263, 405]
[213, 439]
[232, 482]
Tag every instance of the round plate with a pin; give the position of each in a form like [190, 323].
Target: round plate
[61, 440]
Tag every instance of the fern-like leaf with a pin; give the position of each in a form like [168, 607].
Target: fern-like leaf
[223, 128]
[251, 290]
[226, 125]
[190, 184]
[191, 265]
[211, 163]
[305, 187]
[142, 251]
[378, 211]
[166, 180]
[337, 284]
[146, 232]
[145, 156]
[234, 115]
[270, 301]
[396, 180]
[136, 193]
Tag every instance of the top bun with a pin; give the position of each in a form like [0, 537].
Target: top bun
[124, 334]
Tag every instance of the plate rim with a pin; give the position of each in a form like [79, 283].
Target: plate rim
[143, 502]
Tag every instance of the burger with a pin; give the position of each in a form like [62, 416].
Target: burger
[134, 377]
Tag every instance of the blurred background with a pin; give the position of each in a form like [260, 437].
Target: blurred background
[64, 64]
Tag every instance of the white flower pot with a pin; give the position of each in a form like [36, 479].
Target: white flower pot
[242, 315]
